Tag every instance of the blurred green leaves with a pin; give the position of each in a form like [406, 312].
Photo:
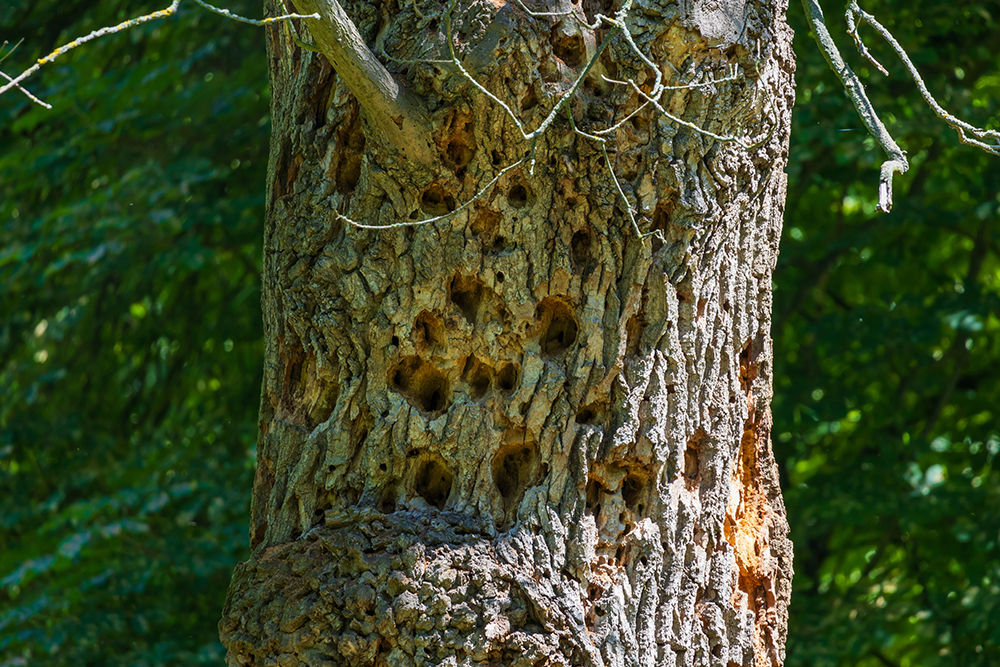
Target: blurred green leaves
[130, 340]
[886, 344]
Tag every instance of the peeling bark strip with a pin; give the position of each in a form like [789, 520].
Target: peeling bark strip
[522, 435]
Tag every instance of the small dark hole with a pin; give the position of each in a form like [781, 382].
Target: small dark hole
[394, 341]
[500, 276]
[518, 196]
[643, 561]
[507, 377]
[630, 491]
[495, 158]
[382, 467]
[433, 483]
[599, 611]
[529, 101]
[480, 383]
[467, 294]
[559, 326]
[580, 249]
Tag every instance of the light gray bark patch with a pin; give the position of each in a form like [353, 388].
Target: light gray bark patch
[721, 22]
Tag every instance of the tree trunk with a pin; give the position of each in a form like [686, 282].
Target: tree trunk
[523, 434]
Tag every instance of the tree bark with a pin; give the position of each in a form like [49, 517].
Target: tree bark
[522, 435]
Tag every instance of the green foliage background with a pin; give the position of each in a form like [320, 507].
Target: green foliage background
[130, 334]
[130, 342]
[887, 399]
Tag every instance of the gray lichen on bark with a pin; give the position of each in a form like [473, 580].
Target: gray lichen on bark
[522, 436]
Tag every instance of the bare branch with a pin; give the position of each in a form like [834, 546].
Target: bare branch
[450, 214]
[110, 30]
[26, 92]
[959, 125]
[271, 19]
[395, 111]
[897, 162]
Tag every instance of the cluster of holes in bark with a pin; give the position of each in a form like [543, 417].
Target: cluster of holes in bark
[557, 326]
[515, 469]
[424, 386]
[433, 481]
[458, 141]
[481, 377]
[485, 228]
[350, 151]
[435, 200]
[568, 48]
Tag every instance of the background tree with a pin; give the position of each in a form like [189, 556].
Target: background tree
[929, 615]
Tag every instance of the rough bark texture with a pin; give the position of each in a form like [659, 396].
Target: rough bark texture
[523, 436]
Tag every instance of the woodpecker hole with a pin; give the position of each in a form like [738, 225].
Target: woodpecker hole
[433, 482]
[423, 386]
[557, 325]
